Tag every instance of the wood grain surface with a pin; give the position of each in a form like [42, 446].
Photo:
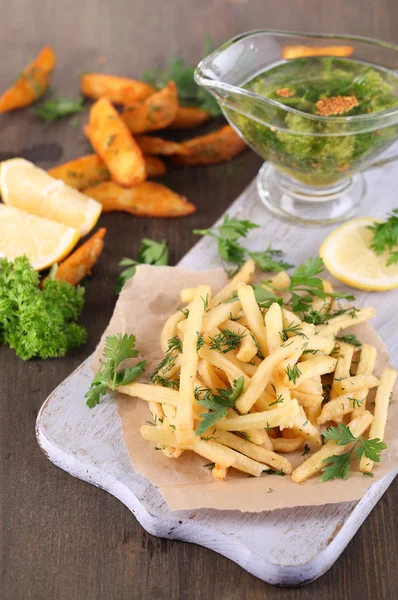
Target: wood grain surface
[62, 538]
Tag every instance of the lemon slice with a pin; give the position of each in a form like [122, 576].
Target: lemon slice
[44, 242]
[25, 186]
[348, 256]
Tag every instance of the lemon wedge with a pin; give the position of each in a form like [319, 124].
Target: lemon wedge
[348, 256]
[29, 188]
[43, 241]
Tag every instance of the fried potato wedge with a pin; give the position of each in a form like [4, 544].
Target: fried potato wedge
[157, 145]
[31, 83]
[147, 199]
[156, 112]
[219, 146]
[113, 142]
[119, 90]
[188, 117]
[79, 264]
[90, 170]
[289, 52]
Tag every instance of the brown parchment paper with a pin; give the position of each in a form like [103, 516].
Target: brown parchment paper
[144, 304]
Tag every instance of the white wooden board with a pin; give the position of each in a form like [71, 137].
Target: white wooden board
[285, 547]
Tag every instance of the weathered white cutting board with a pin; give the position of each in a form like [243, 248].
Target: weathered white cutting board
[285, 547]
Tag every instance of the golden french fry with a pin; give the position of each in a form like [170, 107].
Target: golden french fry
[316, 462]
[119, 90]
[248, 348]
[189, 365]
[290, 52]
[347, 320]
[219, 472]
[113, 142]
[302, 426]
[382, 400]
[310, 386]
[244, 275]
[187, 294]
[188, 117]
[210, 378]
[342, 405]
[169, 329]
[318, 365]
[280, 281]
[278, 463]
[150, 393]
[148, 199]
[274, 327]
[156, 112]
[288, 444]
[292, 321]
[31, 83]
[220, 313]
[264, 372]
[344, 355]
[355, 383]
[276, 417]
[220, 361]
[253, 315]
[365, 367]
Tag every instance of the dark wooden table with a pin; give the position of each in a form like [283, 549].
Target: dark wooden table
[62, 538]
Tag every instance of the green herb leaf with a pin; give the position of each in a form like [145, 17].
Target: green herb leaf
[226, 341]
[59, 107]
[340, 434]
[337, 467]
[109, 376]
[350, 338]
[264, 297]
[219, 404]
[150, 253]
[385, 237]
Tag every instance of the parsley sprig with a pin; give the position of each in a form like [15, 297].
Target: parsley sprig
[150, 253]
[385, 237]
[230, 250]
[50, 110]
[219, 404]
[110, 376]
[339, 465]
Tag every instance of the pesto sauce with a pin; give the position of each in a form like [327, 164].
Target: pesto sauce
[318, 86]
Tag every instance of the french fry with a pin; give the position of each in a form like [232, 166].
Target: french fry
[343, 321]
[319, 365]
[276, 417]
[263, 374]
[248, 348]
[344, 355]
[289, 52]
[90, 170]
[156, 145]
[169, 329]
[274, 327]
[188, 117]
[220, 361]
[219, 472]
[31, 83]
[288, 444]
[244, 275]
[113, 142]
[355, 383]
[280, 281]
[278, 463]
[320, 343]
[382, 400]
[119, 90]
[365, 367]
[148, 199]
[210, 377]
[302, 426]
[341, 405]
[79, 264]
[156, 112]
[253, 315]
[290, 321]
[220, 313]
[310, 386]
[150, 393]
[316, 462]
[189, 365]
[219, 146]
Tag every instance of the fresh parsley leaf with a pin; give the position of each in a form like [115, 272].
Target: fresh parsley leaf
[38, 322]
[337, 467]
[219, 404]
[264, 297]
[59, 107]
[110, 376]
[385, 237]
[340, 434]
[150, 253]
[266, 261]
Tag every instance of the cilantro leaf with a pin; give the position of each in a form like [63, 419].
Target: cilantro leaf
[150, 253]
[109, 376]
[59, 107]
[385, 237]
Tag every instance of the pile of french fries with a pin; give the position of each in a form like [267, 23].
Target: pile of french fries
[275, 413]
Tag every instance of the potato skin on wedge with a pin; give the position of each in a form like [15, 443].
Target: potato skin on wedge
[219, 146]
[119, 90]
[147, 199]
[188, 117]
[31, 83]
[113, 142]
[156, 112]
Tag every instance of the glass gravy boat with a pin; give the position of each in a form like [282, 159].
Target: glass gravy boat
[312, 173]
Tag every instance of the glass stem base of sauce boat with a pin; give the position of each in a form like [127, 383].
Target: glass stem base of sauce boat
[307, 205]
